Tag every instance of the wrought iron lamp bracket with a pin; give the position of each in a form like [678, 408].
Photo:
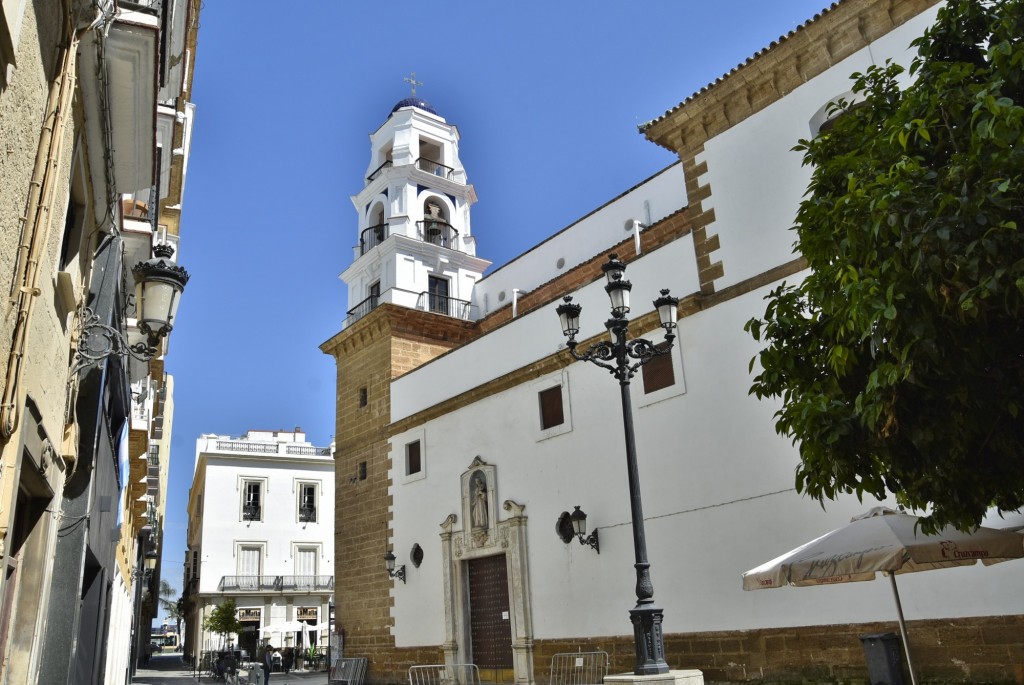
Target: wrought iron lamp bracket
[591, 541]
[97, 341]
[641, 349]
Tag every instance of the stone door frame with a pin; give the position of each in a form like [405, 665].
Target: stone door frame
[459, 545]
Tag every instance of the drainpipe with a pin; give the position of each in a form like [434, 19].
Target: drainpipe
[636, 227]
[515, 302]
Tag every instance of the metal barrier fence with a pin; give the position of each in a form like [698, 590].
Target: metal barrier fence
[349, 671]
[444, 674]
[578, 668]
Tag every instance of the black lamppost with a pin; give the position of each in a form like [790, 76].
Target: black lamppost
[622, 358]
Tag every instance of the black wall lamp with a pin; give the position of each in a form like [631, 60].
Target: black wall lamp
[389, 565]
[159, 283]
[579, 528]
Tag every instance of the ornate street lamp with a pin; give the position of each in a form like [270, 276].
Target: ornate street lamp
[622, 357]
[389, 566]
[159, 283]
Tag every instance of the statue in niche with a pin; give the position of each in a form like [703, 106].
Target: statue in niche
[478, 513]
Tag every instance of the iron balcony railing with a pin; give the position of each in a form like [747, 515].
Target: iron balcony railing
[432, 167]
[249, 582]
[307, 450]
[251, 512]
[435, 168]
[254, 447]
[378, 171]
[276, 583]
[442, 304]
[247, 446]
[145, 5]
[437, 232]
[362, 309]
[424, 301]
[372, 237]
[307, 582]
[307, 514]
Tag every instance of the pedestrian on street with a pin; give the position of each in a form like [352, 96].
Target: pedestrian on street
[268, 663]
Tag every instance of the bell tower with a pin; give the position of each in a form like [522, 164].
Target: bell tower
[409, 291]
[414, 246]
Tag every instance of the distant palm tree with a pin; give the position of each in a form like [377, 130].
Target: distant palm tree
[173, 608]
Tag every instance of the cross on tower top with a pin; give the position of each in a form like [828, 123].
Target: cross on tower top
[411, 80]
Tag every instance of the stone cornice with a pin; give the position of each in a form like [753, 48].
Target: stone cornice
[391, 320]
[772, 73]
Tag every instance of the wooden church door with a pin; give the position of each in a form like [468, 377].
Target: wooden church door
[490, 624]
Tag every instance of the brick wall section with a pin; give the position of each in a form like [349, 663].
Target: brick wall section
[704, 242]
[384, 344]
[970, 650]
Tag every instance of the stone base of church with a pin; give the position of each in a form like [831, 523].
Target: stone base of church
[679, 677]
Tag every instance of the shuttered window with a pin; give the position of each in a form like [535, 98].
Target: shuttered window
[413, 459]
[658, 373]
[551, 407]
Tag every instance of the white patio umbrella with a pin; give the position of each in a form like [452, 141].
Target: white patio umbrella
[887, 541]
[285, 627]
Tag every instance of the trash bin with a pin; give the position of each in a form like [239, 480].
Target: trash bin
[256, 673]
[882, 651]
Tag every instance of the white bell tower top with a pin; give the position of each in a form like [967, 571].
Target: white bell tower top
[414, 246]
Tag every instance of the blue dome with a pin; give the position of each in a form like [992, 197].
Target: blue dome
[414, 102]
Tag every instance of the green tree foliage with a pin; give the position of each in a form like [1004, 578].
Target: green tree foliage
[223, 619]
[166, 592]
[899, 361]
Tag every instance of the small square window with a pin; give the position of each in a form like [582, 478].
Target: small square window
[363, 397]
[658, 372]
[551, 407]
[413, 461]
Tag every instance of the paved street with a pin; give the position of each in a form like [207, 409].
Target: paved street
[168, 669]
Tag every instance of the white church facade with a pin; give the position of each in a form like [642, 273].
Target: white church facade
[467, 434]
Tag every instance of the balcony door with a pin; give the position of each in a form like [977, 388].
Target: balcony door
[305, 567]
[437, 289]
[250, 560]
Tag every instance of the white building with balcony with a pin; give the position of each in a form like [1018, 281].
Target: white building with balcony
[261, 532]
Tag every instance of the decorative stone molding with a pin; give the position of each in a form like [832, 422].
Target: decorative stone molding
[483, 535]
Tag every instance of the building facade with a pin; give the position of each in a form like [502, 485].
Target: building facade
[96, 120]
[463, 442]
[261, 532]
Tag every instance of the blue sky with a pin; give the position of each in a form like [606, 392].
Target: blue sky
[547, 96]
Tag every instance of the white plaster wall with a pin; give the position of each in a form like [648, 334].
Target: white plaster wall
[649, 202]
[718, 499]
[756, 178]
[279, 530]
[537, 334]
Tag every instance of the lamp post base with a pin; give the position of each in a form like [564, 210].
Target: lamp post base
[675, 677]
[647, 636]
